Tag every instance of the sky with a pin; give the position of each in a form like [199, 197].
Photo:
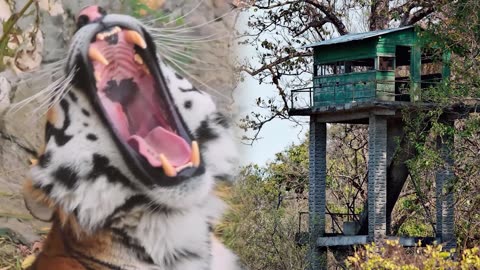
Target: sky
[275, 135]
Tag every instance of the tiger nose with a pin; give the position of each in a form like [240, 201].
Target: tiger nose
[89, 14]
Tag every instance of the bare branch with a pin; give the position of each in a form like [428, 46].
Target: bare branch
[275, 63]
[330, 14]
[419, 15]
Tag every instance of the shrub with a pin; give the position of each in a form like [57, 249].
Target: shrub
[390, 255]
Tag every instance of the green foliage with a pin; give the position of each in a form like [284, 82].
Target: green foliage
[262, 223]
[453, 122]
[391, 255]
[9, 28]
[412, 227]
[266, 202]
[347, 168]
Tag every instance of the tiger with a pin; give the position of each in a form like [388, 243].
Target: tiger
[132, 154]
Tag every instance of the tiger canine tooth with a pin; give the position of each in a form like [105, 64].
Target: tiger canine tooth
[97, 76]
[135, 38]
[167, 166]
[96, 55]
[138, 59]
[195, 154]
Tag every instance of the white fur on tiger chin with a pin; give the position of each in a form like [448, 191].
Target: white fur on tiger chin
[162, 235]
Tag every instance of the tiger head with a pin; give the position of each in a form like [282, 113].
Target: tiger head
[127, 129]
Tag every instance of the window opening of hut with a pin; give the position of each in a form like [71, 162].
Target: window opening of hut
[360, 65]
[402, 73]
[343, 67]
[386, 63]
[340, 67]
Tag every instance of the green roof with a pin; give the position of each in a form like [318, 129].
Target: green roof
[357, 36]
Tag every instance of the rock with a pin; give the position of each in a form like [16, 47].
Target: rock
[5, 89]
[20, 232]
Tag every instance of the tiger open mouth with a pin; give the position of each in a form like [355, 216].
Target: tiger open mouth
[128, 93]
[132, 94]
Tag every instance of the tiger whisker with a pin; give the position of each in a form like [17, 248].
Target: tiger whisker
[193, 77]
[188, 41]
[49, 91]
[50, 70]
[176, 52]
[182, 28]
[186, 14]
[65, 87]
[152, 21]
[173, 53]
[61, 88]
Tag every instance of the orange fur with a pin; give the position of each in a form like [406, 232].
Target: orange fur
[37, 195]
[54, 255]
[52, 115]
[66, 235]
[62, 246]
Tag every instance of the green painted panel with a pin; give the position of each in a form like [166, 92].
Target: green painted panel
[349, 51]
[386, 44]
[379, 45]
[345, 88]
[385, 85]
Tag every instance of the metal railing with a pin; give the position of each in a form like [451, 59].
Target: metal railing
[302, 96]
[337, 93]
[333, 224]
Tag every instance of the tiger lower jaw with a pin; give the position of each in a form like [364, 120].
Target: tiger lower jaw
[131, 95]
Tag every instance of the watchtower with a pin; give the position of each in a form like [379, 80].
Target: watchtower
[369, 78]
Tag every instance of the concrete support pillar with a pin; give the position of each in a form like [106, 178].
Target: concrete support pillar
[316, 196]
[394, 134]
[444, 179]
[377, 177]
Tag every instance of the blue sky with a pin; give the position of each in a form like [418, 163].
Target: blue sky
[276, 135]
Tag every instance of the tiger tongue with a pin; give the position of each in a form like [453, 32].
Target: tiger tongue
[161, 141]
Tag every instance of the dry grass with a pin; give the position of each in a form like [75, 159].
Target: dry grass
[11, 254]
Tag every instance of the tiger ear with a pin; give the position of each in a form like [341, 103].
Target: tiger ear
[37, 202]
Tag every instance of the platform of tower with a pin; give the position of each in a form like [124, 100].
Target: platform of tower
[371, 78]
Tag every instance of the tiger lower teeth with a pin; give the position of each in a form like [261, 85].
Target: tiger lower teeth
[188, 165]
[195, 154]
[167, 166]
